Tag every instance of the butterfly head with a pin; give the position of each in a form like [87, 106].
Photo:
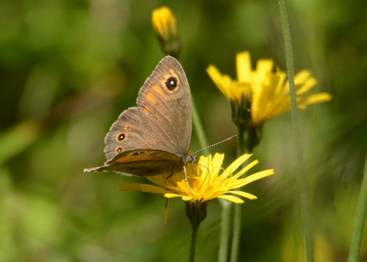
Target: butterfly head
[189, 159]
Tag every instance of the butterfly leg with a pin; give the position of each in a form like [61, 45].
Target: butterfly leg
[185, 173]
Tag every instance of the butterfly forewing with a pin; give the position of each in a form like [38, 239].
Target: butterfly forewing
[166, 95]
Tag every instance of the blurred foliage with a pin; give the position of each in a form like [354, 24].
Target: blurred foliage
[68, 68]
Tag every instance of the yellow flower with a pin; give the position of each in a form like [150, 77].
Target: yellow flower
[164, 23]
[266, 89]
[206, 180]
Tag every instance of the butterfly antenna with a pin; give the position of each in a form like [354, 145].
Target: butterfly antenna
[213, 145]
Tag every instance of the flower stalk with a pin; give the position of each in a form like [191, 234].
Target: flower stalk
[196, 213]
[248, 138]
[304, 194]
[237, 225]
[225, 230]
[237, 214]
[199, 130]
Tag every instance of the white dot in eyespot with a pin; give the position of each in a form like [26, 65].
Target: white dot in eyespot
[171, 83]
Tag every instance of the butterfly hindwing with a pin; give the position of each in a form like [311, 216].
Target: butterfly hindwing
[142, 163]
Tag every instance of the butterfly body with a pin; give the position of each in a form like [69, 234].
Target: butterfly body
[154, 137]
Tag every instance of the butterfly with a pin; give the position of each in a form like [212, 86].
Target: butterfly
[153, 137]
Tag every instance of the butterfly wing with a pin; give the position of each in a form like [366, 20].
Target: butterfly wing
[166, 96]
[162, 121]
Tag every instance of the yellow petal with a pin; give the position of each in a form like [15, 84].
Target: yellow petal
[186, 198]
[263, 68]
[280, 85]
[223, 82]
[243, 66]
[301, 77]
[243, 194]
[306, 86]
[259, 175]
[246, 168]
[143, 188]
[216, 163]
[233, 199]
[171, 195]
[212, 165]
[236, 164]
[315, 99]
[210, 168]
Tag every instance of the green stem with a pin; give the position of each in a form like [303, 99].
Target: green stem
[194, 234]
[236, 233]
[196, 213]
[224, 231]
[237, 217]
[360, 219]
[304, 195]
[198, 127]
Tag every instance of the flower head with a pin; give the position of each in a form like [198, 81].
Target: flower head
[164, 24]
[206, 180]
[265, 89]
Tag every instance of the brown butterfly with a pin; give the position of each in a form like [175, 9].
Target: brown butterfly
[154, 137]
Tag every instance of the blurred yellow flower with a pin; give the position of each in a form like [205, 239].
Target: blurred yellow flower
[266, 89]
[164, 23]
[206, 180]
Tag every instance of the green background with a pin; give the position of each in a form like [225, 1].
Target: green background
[68, 68]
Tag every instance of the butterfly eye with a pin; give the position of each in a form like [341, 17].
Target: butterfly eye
[171, 83]
[121, 136]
